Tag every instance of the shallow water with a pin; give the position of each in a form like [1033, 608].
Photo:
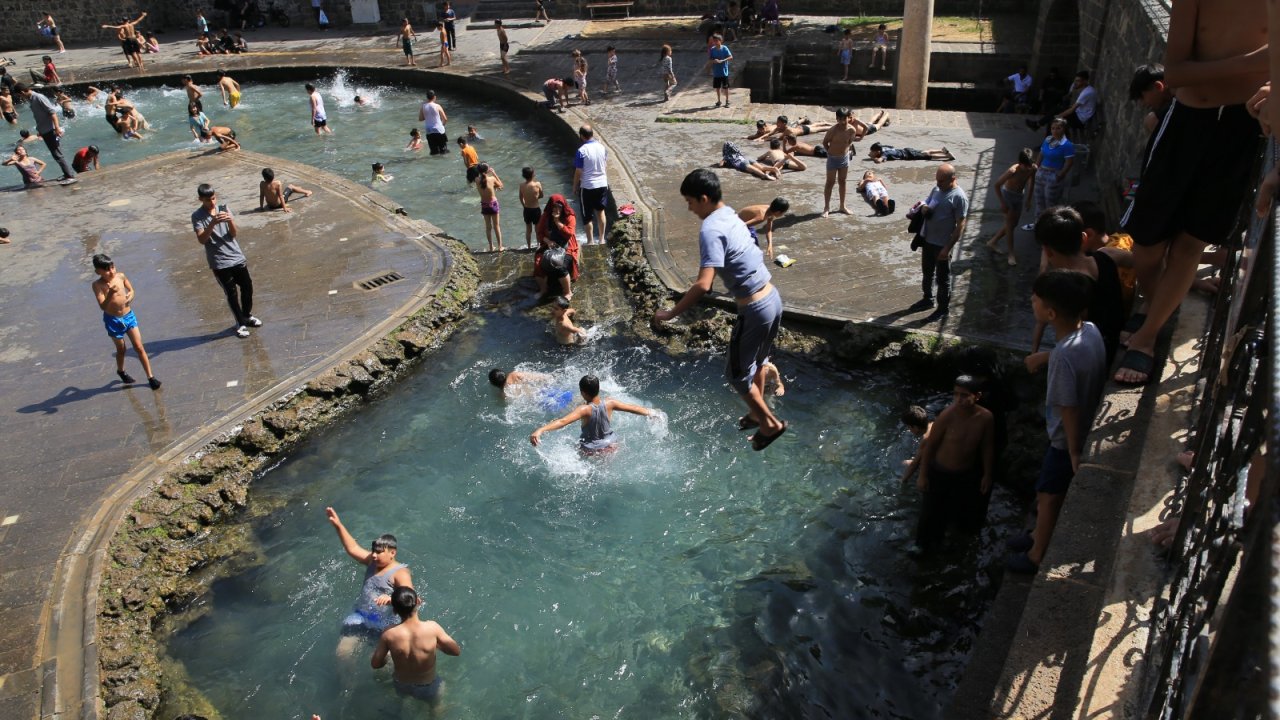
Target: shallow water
[683, 577]
[274, 118]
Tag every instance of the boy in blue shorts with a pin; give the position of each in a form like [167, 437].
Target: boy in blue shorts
[115, 296]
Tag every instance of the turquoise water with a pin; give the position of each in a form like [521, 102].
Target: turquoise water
[683, 577]
[274, 119]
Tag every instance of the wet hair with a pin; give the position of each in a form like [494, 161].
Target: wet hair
[1144, 77]
[590, 386]
[783, 119]
[385, 541]
[562, 302]
[310, 88]
[775, 143]
[761, 123]
[1060, 228]
[843, 112]
[472, 129]
[1026, 157]
[586, 132]
[404, 600]
[526, 172]
[1091, 215]
[431, 94]
[415, 133]
[358, 99]
[1083, 74]
[193, 110]
[24, 133]
[93, 149]
[915, 416]
[268, 174]
[482, 174]
[1066, 292]
[205, 191]
[462, 139]
[968, 382]
[699, 183]
[186, 77]
[875, 147]
[4, 232]
[779, 205]
[222, 73]
[103, 261]
[497, 377]
[377, 167]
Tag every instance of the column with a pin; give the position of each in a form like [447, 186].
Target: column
[914, 47]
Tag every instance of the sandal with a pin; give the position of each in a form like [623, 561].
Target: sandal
[1137, 361]
[746, 422]
[760, 441]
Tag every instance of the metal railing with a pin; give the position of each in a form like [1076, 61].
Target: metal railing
[1227, 551]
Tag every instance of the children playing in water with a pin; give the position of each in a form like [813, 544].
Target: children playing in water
[28, 166]
[415, 140]
[596, 416]
[1010, 189]
[956, 465]
[229, 89]
[64, 100]
[114, 293]
[488, 184]
[755, 215]
[6, 105]
[319, 119]
[562, 323]
[917, 423]
[412, 646]
[470, 159]
[518, 382]
[380, 174]
[668, 71]
[274, 195]
[873, 190]
[531, 204]
[372, 612]
[86, 158]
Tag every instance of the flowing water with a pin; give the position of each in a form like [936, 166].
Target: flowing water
[274, 118]
[683, 577]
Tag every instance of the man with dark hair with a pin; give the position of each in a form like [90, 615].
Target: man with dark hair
[47, 125]
[1082, 108]
[725, 247]
[591, 182]
[383, 575]
[216, 230]
[957, 460]
[412, 647]
[1149, 89]
[433, 119]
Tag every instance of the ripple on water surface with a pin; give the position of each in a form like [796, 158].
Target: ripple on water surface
[683, 576]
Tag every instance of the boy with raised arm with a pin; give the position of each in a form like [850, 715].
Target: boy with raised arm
[114, 293]
[596, 416]
[412, 647]
[371, 613]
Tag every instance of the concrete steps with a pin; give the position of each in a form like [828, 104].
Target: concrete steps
[490, 10]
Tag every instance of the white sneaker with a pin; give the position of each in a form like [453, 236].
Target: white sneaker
[253, 322]
[1029, 227]
[242, 331]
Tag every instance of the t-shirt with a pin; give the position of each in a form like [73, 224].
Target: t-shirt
[199, 123]
[949, 207]
[43, 110]
[470, 156]
[1077, 366]
[874, 189]
[318, 113]
[591, 160]
[725, 244]
[1086, 103]
[720, 53]
[431, 120]
[1054, 153]
[1021, 83]
[49, 72]
[222, 251]
[81, 161]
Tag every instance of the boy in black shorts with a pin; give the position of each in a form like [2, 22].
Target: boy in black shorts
[1200, 164]
[530, 196]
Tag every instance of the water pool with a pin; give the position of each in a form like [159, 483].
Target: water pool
[273, 118]
[684, 577]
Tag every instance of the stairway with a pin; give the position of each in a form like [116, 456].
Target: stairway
[806, 72]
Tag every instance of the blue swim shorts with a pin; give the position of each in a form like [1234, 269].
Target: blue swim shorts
[118, 327]
[427, 692]
[751, 343]
[839, 162]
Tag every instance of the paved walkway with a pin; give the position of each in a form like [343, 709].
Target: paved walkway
[72, 432]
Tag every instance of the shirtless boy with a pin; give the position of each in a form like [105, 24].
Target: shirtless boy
[863, 129]
[225, 136]
[229, 89]
[804, 126]
[779, 158]
[1215, 64]
[274, 195]
[518, 382]
[128, 124]
[562, 323]
[382, 576]
[412, 647]
[796, 147]
[407, 37]
[838, 142]
[754, 215]
[956, 464]
[503, 46]
[530, 195]
[127, 34]
[6, 106]
[115, 296]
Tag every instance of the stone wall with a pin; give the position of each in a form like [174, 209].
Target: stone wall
[843, 8]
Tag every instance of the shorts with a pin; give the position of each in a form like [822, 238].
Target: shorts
[11, 117]
[805, 129]
[68, 112]
[846, 56]
[233, 98]
[872, 128]
[118, 327]
[754, 331]
[1201, 162]
[131, 46]
[504, 47]
[1055, 472]
[737, 162]
[594, 199]
[489, 207]
[532, 215]
[720, 81]
[819, 151]
[838, 162]
[428, 692]
[473, 172]
[320, 122]
[1013, 200]
[407, 46]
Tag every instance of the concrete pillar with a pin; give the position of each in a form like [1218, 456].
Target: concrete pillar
[914, 48]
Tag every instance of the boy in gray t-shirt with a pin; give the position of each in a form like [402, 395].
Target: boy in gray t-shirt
[1077, 370]
[215, 229]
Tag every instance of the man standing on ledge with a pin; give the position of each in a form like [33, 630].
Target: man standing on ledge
[46, 117]
[726, 247]
[591, 181]
[216, 231]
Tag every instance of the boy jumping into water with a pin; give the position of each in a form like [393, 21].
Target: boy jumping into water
[274, 195]
[383, 575]
[115, 296]
[412, 646]
[596, 415]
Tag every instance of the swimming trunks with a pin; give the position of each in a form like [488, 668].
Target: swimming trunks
[319, 123]
[504, 47]
[428, 692]
[819, 151]
[554, 400]
[597, 431]
[1013, 200]
[118, 327]
[11, 117]
[367, 617]
[489, 207]
[754, 330]
[837, 162]
[233, 98]
[805, 129]
[846, 56]
[407, 46]
[532, 215]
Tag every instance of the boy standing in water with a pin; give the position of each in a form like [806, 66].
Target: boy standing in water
[412, 646]
[318, 117]
[383, 575]
[530, 195]
[562, 323]
[230, 90]
[115, 296]
[956, 463]
[596, 417]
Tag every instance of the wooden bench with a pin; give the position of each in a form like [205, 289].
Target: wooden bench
[612, 5]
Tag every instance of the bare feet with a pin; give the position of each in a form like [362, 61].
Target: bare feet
[1012, 260]
[845, 210]
[780, 389]
[825, 213]
[992, 243]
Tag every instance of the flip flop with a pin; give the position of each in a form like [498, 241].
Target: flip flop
[760, 441]
[746, 423]
[1137, 361]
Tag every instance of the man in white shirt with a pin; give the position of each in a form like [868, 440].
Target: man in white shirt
[591, 182]
[1081, 111]
[1020, 83]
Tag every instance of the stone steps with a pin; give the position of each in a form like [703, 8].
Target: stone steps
[490, 10]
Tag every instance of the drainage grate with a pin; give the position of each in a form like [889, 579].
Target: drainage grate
[378, 281]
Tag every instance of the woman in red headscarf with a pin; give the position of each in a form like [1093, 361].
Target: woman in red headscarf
[557, 255]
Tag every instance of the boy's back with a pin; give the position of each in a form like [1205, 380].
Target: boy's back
[530, 192]
[1077, 371]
